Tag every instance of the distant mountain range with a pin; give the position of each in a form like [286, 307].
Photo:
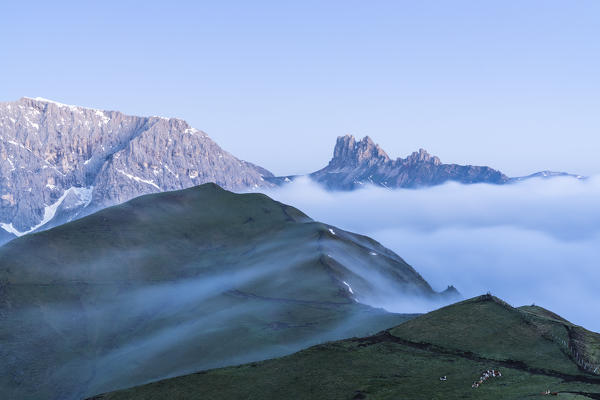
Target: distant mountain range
[359, 163]
[176, 282]
[480, 348]
[60, 162]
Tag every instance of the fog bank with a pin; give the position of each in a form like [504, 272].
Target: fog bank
[533, 242]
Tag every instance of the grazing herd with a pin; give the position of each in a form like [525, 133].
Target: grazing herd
[549, 393]
[493, 373]
[485, 376]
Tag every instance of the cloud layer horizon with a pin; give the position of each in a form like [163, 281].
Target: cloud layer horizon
[535, 242]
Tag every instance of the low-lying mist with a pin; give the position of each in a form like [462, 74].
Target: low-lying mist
[537, 241]
[91, 323]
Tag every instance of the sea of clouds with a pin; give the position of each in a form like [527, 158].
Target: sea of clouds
[537, 241]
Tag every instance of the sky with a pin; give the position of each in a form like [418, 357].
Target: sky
[536, 242]
[513, 85]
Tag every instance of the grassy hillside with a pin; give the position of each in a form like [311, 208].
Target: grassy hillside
[177, 282]
[459, 342]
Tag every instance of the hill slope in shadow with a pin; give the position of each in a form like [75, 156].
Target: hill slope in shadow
[176, 282]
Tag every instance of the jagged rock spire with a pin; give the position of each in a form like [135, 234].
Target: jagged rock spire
[422, 156]
[350, 152]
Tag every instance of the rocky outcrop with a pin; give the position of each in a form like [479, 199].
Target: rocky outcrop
[357, 163]
[58, 162]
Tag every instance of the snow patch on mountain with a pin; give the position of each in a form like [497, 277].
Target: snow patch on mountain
[349, 287]
[10, 228]
[84, 196]
[138, 179]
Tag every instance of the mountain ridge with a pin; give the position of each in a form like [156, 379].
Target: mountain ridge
[356, 163]
[103, 158]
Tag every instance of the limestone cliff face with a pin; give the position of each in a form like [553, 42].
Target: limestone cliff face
[58, 162]
[356, 163]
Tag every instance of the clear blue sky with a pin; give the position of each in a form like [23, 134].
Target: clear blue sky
[512, 84]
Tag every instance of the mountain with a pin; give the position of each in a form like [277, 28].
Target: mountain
[357, 163]
[440, 355]
[58, 162]
[176, 282]
[547, 175]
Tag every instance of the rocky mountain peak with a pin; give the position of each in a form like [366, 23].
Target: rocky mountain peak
[60, 161]
[359, 163]
[422, 156]
[349, 152]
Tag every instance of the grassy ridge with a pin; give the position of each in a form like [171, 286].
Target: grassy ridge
[172, 283]
[459, 342]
